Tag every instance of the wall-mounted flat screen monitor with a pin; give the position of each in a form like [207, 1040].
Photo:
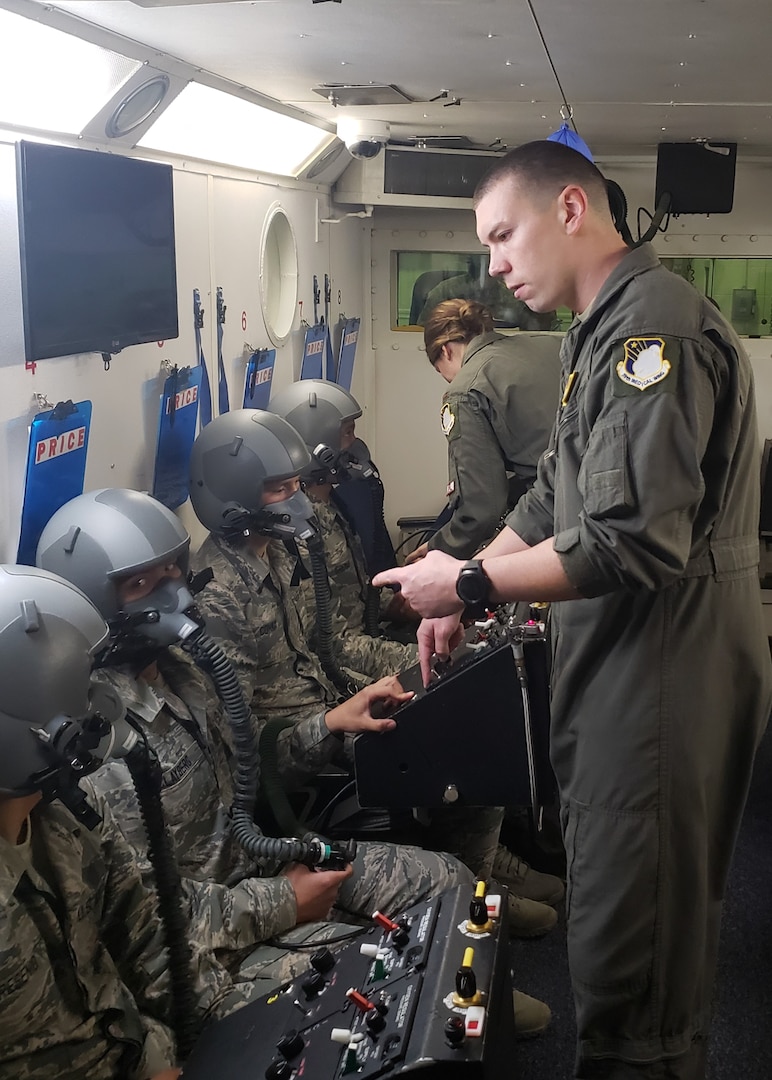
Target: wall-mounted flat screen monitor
[98, 268]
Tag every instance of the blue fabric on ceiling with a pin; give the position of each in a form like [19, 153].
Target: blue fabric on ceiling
[565, 135]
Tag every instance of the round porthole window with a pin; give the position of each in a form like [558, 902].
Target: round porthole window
[278, 275]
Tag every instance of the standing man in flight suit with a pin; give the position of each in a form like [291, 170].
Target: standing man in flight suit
[643, 526]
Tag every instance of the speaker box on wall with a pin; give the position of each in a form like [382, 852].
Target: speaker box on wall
[699, 177]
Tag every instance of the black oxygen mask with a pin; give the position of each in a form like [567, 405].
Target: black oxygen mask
[355, 461]
[289, 519]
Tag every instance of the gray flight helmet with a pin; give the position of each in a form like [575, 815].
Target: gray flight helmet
[50, 633]
[101, 536]
[232, 459]
[316, 409]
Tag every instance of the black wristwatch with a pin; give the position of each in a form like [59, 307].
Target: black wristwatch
[473, 586]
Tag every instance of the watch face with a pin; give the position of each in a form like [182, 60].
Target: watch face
[472, 585]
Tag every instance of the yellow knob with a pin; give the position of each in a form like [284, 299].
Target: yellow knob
[468, 958]
[479, 892]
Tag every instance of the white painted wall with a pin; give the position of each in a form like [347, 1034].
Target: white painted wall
[219, 220]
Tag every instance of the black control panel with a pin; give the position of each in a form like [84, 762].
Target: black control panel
[428, 991]
[478, 736]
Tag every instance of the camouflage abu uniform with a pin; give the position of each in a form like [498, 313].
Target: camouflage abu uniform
[83, 991]
[234, 905]
[257, 619]
[355, 649]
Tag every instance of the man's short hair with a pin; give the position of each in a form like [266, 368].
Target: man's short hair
[544, 169]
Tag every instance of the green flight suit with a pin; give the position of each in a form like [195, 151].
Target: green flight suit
[661, 677]
[497, 416]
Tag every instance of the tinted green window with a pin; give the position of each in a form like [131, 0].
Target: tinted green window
[424, 278]
[741, 289]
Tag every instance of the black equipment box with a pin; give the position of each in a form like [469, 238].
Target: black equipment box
[385, 1013]
[479, 736]
[698, 177]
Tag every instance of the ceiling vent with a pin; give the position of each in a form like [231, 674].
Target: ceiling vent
[345, 94]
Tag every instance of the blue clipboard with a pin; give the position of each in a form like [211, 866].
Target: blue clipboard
[314, 351]
[258, 378]
[176, 433]
[56, 467]
[348, 352]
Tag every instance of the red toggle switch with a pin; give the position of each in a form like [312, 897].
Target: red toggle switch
[383, 920]
[361, 1002]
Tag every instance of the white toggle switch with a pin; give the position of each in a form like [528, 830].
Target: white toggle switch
[493, 904]
[474, 1021]
[341, 1035]
[369, 950]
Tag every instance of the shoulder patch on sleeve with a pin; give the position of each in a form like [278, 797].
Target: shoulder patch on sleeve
[449, 421]
[645, 363]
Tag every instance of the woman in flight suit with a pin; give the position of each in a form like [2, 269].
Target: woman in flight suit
[496, 416]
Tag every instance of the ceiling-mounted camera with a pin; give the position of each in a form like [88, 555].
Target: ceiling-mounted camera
[363, 138]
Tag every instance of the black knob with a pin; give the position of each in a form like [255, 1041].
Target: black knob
[278, 1070]
[322, 960]
[466, 983]
[314, 984]
[375, 1021]
[400, 936]
[290, 1044]
[478, 911]
[454, 1030]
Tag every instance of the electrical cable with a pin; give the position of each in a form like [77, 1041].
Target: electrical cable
[316, 944]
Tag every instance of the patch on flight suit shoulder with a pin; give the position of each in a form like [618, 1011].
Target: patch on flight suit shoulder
[449, 421]
[645, 363]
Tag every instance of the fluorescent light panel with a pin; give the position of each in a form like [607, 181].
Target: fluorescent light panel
[51, 80]
[215, 126]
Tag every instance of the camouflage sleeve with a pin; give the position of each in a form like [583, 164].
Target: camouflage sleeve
[374, 657]
[240, 916]
[140, 954]
[305, 748]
